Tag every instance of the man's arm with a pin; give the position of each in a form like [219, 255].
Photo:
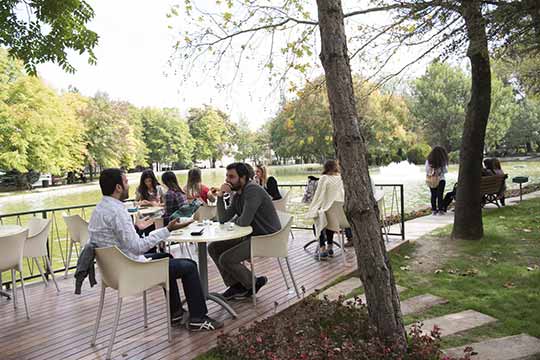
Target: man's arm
[252, 202]
[125, 231]
[225, 214]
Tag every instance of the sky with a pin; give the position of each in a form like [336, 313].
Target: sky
[134, 47]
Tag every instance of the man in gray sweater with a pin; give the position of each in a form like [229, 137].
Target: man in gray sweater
[250, 205]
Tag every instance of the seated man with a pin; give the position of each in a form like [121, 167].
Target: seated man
[111, 225]
[253, 206]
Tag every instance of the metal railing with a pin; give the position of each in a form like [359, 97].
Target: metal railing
[58, 241]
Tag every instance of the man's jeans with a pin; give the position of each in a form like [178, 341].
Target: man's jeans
[185, 269]
[227, 256]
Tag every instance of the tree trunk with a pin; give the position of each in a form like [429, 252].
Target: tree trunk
[360, 206]
[468, 215]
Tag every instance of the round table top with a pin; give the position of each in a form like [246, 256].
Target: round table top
[213, 232]
[150, 210]
[6, 230]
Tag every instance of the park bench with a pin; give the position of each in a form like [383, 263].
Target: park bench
[490, 188]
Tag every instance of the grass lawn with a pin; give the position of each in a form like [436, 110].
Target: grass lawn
[498, 275]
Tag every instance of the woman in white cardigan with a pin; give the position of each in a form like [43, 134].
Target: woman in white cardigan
[329, 189]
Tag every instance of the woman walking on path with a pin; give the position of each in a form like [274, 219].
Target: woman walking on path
[436, 167]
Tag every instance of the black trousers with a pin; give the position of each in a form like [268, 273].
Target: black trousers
[327, 236]
[185, 269]
[437, 197]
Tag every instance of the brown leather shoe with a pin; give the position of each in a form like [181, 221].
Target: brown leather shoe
[349, 243]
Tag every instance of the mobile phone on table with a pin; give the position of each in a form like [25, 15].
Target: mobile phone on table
[197, 233]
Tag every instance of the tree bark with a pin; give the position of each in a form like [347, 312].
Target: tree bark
[360, 206]
[468, 215]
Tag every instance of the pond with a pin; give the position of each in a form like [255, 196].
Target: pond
[411, 176]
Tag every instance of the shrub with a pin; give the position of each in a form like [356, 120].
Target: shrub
[418, 153]
[316, 330]
[453, 157]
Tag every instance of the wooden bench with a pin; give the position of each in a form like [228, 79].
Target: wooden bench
[490, 188]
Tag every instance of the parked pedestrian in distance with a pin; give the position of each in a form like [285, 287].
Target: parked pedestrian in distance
[436, 167]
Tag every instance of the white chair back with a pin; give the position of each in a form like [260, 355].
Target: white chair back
[128, 276]
[276, 244]
[38, 231]
[77, 228]
[281, 204]
[11, 250]
[205, 212]
[335, 217]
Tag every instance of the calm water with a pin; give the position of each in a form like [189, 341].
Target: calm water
[411, 176]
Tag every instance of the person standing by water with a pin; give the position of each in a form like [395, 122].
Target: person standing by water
[436, 167]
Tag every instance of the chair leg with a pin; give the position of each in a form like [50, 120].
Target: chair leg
[115, 326]
[24, 295]
[98, 318]
[343, 255]
[68, 259]
[41, 271]
[13, 288]
[253, 294]
[167, 303]
[292, 235]
[283, 273]
[292, 277]
[145, 309]
[52, 273]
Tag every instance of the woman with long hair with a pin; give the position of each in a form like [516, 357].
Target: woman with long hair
[175, 197]
[329, 189]
[149, 192]
[436, 167]
[494, 166]
[195, 189]
[269, 183]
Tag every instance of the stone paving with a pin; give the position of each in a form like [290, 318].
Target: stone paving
[420, 303]
[517, 347]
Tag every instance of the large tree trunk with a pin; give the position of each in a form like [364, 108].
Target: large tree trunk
[468, 216]
[360, 206]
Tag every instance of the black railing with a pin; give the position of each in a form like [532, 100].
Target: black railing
[58, 241]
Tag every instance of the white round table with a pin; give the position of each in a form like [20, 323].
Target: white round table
[212, 233]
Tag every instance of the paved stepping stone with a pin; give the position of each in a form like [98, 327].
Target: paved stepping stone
[458, 322]
[362, 297]
[342, 288]
[420, 303]
[517, 347]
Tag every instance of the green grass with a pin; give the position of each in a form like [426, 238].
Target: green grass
[475, 277]
[489, 275]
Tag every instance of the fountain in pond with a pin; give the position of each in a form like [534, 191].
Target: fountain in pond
[399, 173]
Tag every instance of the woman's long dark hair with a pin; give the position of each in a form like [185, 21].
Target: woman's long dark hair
[170, 180]
[142, 189]
[438, 157]
[330, 167]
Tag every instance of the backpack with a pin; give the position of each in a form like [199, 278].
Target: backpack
[433, 178]
[310, 190]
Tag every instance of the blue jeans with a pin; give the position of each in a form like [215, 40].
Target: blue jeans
[185, 269]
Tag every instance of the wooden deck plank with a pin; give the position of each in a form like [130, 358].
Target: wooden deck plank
[61, 325]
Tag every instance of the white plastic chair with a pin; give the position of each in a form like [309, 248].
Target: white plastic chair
[281, 205]
[337, 221]
[129, 277]
[205, 212]
[78, 233]
[11, 258]
[273, 245]
[36, 246]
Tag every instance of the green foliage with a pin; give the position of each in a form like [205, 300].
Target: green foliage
[438, 104]
[38, 129]
[213, 133]
[41, 31]
[249, 144]
[418, 153]
[453, 157]
[503, 111]
[525, 129]
[303, 128]
[166, 135]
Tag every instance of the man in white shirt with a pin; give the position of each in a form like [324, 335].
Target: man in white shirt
[111, 225]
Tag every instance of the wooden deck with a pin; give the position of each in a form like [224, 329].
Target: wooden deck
[61, 325]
